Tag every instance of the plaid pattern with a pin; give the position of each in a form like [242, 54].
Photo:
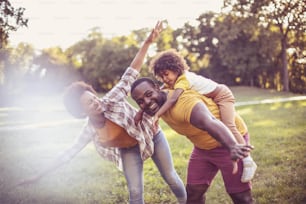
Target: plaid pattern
[118, 110]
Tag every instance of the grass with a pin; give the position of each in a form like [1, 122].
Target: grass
[278, 132]
[244, 93]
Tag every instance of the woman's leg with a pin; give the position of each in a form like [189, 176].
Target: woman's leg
[133, 172]
[163, 160]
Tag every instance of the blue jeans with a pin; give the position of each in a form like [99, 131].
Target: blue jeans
[133, 170]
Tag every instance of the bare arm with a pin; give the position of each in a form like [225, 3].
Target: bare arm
[138, 60]
[203, 119]
[170, 102]
[60, 160]
[138, 116]
[122, 88]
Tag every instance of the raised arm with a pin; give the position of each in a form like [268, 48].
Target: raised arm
[169, 103]
[122, 88]
[138, 59]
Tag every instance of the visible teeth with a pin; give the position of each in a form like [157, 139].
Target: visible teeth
[152, 106]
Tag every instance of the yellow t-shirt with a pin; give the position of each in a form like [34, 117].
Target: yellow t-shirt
[182, 83]
[178, 118]
[190, 80]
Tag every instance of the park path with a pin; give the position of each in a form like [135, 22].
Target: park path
[267, 101]
[60, 117]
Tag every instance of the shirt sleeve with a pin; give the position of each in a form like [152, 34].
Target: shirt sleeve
[79, 143]
[123, 87]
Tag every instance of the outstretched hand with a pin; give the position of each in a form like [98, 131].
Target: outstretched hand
[26, 182]
[155, 32]
[29, 181]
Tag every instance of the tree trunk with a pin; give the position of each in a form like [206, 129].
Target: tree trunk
[285, 65]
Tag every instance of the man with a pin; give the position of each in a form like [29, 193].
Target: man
[196, 117]
[115, 135]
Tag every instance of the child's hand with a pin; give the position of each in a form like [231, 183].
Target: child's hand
[155, 122]
[138, 117]
[235, 167]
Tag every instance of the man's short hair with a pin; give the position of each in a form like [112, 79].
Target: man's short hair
[143, 79]
[72, 96]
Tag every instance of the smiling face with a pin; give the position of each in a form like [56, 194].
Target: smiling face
[148, 97]
[90, 104]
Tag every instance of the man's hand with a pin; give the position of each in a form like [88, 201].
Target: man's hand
[239, 151]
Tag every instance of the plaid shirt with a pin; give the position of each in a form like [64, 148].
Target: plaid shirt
[117, 109]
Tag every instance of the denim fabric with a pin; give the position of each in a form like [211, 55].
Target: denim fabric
[133, 170]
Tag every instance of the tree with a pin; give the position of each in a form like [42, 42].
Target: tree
[287, 15]
[14, 63]
[10, 20]
[201, 47]
[102, 61]
[51, 71]
[247, 49]
[17, 63]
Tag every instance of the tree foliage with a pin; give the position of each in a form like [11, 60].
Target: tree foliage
[51, 71]
[226, 48]
[244, 45]
[287, 15]
[10, 20]
[101, 61]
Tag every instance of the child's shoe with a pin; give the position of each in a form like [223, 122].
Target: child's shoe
[249, 168]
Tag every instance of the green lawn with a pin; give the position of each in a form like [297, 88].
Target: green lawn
[278, 132]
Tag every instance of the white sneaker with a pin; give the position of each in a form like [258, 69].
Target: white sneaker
[249, 168]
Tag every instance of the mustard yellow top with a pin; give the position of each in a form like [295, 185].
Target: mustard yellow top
[112, 135]
[182, 83]
[178, 118]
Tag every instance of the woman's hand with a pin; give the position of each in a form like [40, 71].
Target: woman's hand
[155, 32]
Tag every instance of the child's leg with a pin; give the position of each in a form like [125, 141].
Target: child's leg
[225, 101]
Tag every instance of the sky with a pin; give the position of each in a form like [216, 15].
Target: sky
[65, 22]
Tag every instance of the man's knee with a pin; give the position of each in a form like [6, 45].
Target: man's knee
[242, 198]
[196, 193]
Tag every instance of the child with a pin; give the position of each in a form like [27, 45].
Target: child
[172, 69]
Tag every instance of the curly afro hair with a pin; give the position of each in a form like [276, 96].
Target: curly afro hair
[72, 96]
[168, 60]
